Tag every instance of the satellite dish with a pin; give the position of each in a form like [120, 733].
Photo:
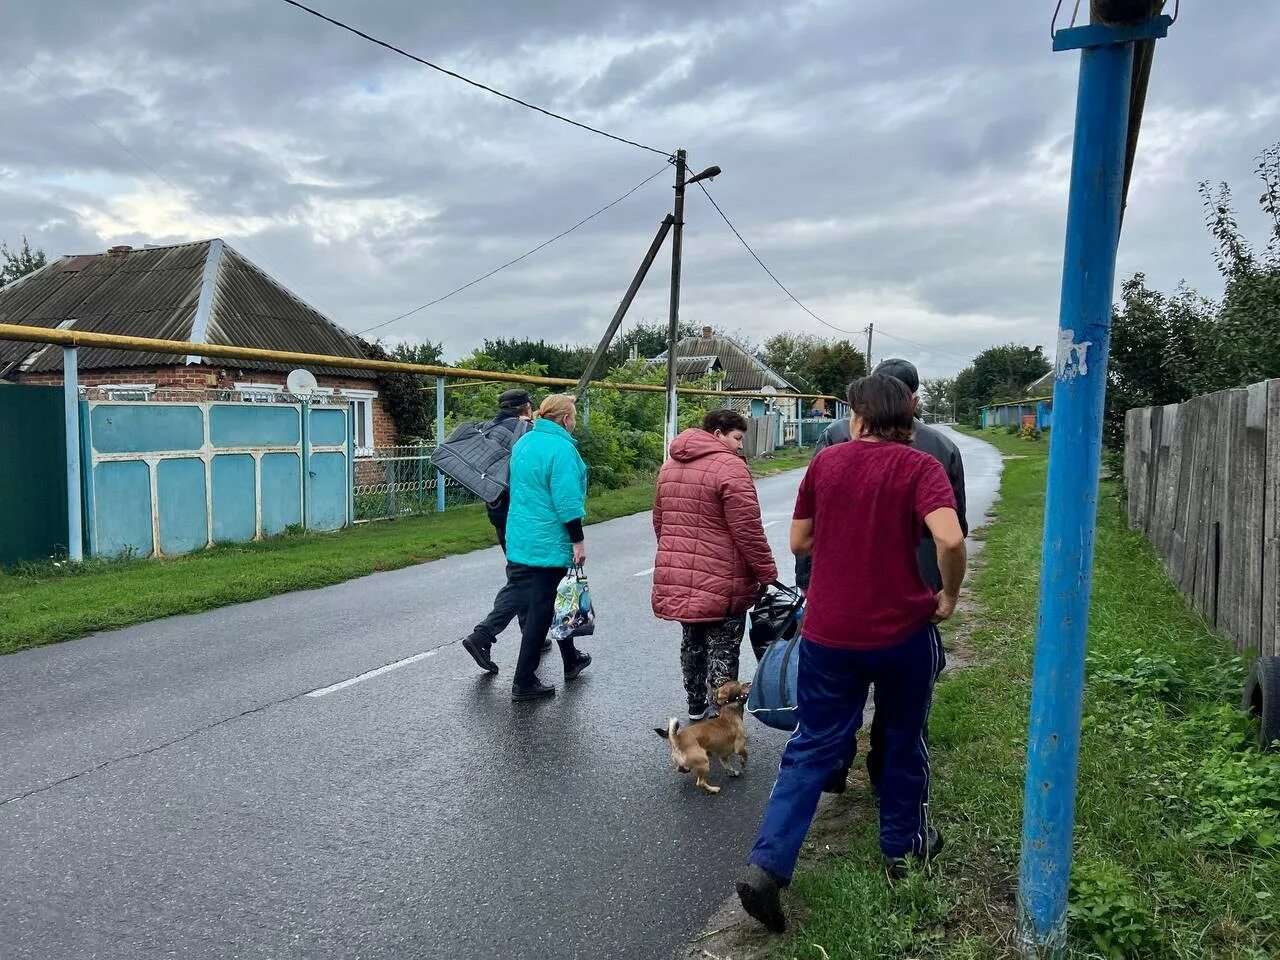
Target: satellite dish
[301, 383]
[769, 390]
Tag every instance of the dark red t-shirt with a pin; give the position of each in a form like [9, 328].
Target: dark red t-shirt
[868, 501]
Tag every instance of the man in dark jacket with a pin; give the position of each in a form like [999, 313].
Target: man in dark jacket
[928, 440]
[515, 411]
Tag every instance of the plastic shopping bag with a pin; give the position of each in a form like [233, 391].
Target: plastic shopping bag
[574, 615]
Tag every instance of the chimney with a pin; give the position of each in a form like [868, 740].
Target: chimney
[706, 333]
[119, 250]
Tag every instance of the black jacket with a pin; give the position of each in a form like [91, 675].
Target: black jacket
[497, 510]
[928, 440]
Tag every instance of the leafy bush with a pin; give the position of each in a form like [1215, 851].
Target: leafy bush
[1107, 909]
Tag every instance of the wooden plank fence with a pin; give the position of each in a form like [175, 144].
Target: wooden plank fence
[1203, 483]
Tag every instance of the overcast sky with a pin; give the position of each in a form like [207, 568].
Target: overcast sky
[899, 162]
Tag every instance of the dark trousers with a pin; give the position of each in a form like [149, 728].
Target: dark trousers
[509, 604]
[831, 693]
[537, 587]
[875, 748]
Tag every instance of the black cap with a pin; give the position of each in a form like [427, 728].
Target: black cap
[903, 370]
[514, 399]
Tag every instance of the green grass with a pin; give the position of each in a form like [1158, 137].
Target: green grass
[1178, 818]
[49, 602]
[46, 603]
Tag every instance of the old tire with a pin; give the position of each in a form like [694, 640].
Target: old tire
[1262, 699]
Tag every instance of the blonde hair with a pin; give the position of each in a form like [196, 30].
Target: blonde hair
[557, 407]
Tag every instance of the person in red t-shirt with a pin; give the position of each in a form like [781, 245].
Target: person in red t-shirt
[870, 618]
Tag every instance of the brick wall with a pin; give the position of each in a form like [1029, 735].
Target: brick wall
[203, 378]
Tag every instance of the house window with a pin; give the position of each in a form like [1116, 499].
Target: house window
[259, 392]
[128, 391]
[362, 402]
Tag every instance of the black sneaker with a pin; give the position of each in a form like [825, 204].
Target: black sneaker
[480, 654]
[581, 663]
[758, 892]
[546, 645]
[898, 867]
[697, 711]
[534, 691]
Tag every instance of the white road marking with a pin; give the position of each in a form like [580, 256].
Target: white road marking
[372, 673]
[644, 573]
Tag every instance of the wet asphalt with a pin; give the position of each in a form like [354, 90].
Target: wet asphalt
[170, 790]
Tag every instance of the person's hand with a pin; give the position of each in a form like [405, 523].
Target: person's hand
[579, 553]
[946, 606]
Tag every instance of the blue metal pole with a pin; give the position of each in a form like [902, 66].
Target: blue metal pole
[305, 411]
[1084, 326]
[351, 463]
[71, 419]
[439, 440]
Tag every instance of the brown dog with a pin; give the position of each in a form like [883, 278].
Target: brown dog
[693, 747]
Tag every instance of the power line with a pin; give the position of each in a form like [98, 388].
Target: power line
[475, 83]
[923, 346]
[781, 285]
[527, 253]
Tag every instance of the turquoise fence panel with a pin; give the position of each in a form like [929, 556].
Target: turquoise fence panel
[281, 491]
[254, 425]
[146, 427]
[234, 490]
[122, 507]
[328, 490]
[328, 428]
[182, 506]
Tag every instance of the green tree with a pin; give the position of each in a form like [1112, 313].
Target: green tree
[833, 366]
[937, 395]
[1166, 349]
[791, 354]
[649, 338]
[403, 395]
[997, 373]
[19, 263]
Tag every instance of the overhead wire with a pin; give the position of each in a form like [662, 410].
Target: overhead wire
[475, 83]
[772, 276]
[512, 262]
[802, 306]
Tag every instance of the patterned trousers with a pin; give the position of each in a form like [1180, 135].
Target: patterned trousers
[709, 657]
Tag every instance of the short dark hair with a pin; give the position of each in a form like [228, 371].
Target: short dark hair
[724, 421]
[884, 406]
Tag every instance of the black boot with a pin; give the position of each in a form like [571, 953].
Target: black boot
[898, 867]
[479, 651]
[535, 690]
[758, 891]
[837, 782]
[577, 665]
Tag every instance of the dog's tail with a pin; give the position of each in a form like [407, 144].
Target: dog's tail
[672, 726]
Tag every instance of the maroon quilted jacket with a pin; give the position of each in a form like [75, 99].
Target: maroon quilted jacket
[712, 552]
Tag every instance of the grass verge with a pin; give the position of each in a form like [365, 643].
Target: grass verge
[49, 602]
[1178, 817]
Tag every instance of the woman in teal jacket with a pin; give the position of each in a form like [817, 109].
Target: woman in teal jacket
[544, 534]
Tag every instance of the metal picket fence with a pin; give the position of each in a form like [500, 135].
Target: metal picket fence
[400, 482]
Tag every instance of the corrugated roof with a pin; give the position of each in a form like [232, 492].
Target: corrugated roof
[153, 292]
[741, 370]
[690, 368]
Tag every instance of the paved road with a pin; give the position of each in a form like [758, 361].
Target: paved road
[171, 790]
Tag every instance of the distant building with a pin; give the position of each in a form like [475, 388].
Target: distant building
[735, 370]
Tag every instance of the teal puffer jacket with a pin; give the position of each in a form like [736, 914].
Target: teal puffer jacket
[548, 490]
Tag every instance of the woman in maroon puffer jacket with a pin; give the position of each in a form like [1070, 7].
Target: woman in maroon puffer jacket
[713, 557]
